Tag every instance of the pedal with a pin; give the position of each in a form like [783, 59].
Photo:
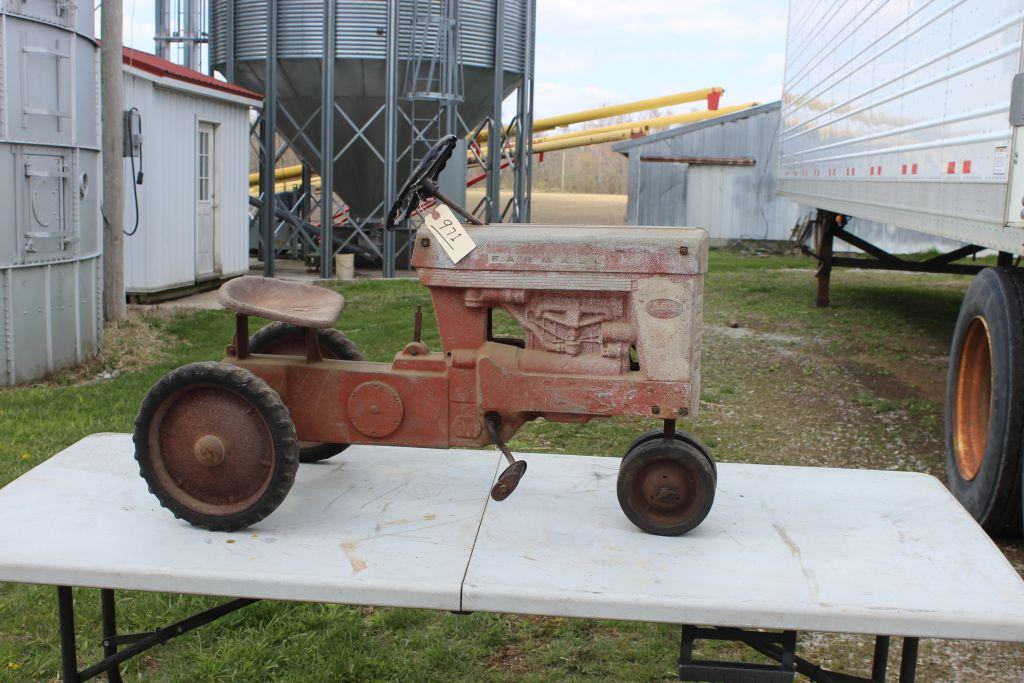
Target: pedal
[509, 479]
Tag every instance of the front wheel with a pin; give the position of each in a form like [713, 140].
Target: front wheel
[216, 445]
[666, 487]
[985, 401]
[680, 435]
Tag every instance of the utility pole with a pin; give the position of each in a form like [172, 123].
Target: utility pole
[112, 112]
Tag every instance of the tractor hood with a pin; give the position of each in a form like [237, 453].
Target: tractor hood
[516, 247]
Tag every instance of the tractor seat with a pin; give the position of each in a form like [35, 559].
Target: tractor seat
[287, 302]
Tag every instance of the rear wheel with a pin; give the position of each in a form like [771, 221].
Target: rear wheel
[666, 487]
[985, 401]
[216, 445]
[284, 339]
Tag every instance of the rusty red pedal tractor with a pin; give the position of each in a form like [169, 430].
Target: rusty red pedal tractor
[611, 321]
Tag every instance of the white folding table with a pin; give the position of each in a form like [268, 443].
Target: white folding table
[785, 549]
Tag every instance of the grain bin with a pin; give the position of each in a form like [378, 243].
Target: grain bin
[50, 249]
[238, 38]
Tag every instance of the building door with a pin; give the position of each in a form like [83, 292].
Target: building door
[206, 204]
[722, 199]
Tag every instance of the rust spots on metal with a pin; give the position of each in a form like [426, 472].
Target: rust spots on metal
[609, 326]
[417, 325]
[211, 450]
[375, 409]
[973, 399]
[667, 492]
[508, 480]
[312, 346]
[287, 302]
[240, 346]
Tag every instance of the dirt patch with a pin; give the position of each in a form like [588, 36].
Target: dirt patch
[511, 658]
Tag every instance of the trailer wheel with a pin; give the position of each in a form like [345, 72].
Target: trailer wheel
[666, 487]
[284, 339]
[985, 401]
[216, 445]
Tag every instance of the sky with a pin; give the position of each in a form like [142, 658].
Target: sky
[595, 52]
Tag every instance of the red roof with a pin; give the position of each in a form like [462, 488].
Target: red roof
[161, 67]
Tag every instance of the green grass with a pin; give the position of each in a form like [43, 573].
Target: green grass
[763, 396]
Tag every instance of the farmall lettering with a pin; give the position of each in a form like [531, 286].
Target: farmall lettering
[608, 325]
[591, 262]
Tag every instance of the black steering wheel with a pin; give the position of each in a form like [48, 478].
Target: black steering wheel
[414, 191]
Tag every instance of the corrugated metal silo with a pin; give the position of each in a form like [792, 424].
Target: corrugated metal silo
[50, 249]
[360, 51]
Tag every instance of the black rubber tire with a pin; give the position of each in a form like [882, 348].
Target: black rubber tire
[678, 453]
[263, 399]
[681, 435]
[333, 344]
[993, 494]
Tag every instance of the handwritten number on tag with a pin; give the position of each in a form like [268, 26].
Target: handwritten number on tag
[449, 232]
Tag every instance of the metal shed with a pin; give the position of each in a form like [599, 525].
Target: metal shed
[718, 174]
[721, 175]
[193, 205]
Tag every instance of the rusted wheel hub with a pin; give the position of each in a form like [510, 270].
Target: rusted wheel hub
[211, 450]
[973, 404]
[666, 487]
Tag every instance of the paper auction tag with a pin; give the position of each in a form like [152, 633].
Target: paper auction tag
[449, 232]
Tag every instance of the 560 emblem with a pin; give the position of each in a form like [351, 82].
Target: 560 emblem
[664, 308]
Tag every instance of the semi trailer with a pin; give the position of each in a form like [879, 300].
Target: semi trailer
[911, 113]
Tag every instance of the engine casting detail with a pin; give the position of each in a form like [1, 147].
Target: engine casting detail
[610, 322]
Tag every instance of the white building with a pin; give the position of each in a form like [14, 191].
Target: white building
[193, 210]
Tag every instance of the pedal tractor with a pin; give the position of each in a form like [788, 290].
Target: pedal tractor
[611, 320]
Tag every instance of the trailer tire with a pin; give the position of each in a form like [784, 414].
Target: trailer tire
[985, 401]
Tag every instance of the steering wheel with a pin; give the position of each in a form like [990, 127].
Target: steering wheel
[413, 192]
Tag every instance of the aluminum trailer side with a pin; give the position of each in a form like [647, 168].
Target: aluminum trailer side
[910, 112]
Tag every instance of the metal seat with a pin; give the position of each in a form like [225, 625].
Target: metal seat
[287, 302]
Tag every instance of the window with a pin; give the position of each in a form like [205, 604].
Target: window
[203, 166]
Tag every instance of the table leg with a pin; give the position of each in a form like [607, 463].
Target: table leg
[109, 632]
[908, 660]
[66, 618]
[880, 661]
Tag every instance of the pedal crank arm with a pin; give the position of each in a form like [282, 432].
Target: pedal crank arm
[509, 479]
